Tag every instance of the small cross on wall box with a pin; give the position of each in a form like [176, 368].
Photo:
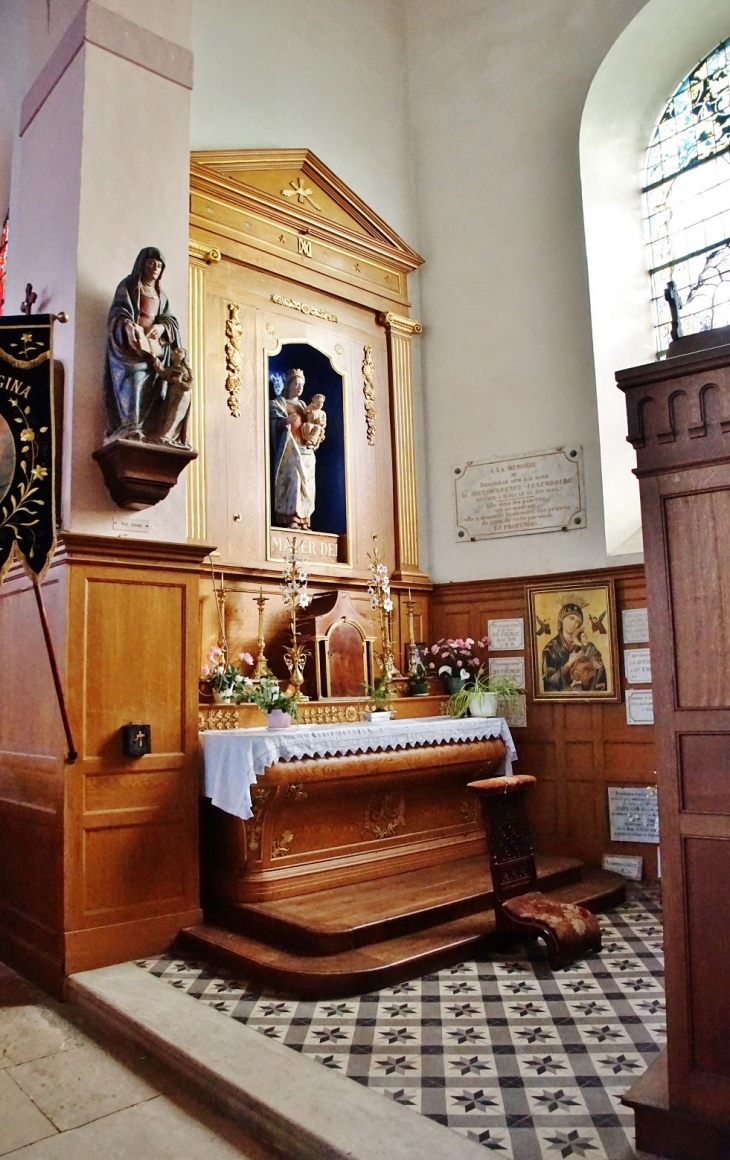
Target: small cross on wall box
[136, 739]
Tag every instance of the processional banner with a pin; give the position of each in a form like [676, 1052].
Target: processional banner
[27, 449]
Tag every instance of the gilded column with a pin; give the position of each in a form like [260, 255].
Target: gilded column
[399, 331]
[197, 513]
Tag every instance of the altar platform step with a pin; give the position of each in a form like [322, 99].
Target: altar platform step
[342, 918]
[282, 964]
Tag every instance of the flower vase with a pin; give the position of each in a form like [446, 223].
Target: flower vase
[278, 719]
[483, 705]
[378, 716]
[454, 684]
[222, 697]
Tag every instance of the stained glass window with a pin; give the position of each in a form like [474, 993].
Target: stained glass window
[687, 198]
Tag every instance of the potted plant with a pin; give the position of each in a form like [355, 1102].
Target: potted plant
[480, 694]
[280, 709]
[224, 679]
[381, 694]
[456, 660]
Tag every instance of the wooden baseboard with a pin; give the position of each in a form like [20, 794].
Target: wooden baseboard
[665, 1131]
[103, 946]
[41, 968]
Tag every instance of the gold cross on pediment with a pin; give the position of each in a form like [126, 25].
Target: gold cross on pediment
[300, 191]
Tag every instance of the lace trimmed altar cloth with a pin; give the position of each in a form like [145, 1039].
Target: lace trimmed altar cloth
[233, 759]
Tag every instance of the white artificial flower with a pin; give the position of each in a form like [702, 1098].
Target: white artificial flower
[303, 600]
[388, 605]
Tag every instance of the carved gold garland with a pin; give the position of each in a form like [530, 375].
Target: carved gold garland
[383, 816]
[280, 846]
[234, 331]
[368, 390]
[260, 798]
[303, 308]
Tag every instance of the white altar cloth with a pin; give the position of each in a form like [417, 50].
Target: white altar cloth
[233, 759]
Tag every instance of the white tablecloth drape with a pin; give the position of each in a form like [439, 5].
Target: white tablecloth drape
[233, 759]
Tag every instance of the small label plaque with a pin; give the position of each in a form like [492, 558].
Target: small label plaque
[506, 635]
[514, 710]
[520, 496]
[628, 865]
[131, 525]
[508, 667]
[637, 666]
[639, 707]
[635, 625]
[633, 813]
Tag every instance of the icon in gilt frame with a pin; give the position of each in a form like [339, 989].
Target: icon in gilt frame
[573, 643]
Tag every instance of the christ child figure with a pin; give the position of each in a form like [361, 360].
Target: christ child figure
[315, 422]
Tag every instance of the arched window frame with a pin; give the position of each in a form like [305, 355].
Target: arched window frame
[687, 201]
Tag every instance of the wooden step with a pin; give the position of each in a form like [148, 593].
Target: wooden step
[380, 964]
[346, 917]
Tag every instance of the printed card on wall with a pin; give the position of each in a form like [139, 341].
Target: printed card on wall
[639, 707]
[637, 666]
[635, 625]
[508, 667]
[514, 710]
[506, 635]
[633, 813]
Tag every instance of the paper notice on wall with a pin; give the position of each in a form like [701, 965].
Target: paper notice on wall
[635, 625]
[639, 707]
[637, 666]
[513, 667]
[506, 635]
[633, 813]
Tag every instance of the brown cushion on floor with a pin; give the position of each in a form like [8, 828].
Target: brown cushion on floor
[571, 925]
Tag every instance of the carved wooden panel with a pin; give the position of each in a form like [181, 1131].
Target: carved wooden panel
[347, 669]
[707, 862]
[704, 764]
[698, 532]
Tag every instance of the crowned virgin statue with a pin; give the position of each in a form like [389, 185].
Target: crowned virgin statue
[143, 350]
[298, 429]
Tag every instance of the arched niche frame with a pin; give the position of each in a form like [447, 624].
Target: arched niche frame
[660, 46]
[322, 375]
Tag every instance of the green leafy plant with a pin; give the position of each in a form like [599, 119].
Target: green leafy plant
[267, 696]
[380, 692]
[477, 686]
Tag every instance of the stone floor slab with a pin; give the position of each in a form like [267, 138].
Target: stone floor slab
[20, 1120]
[32, 1032]
[154, 1130]
[79, 1085]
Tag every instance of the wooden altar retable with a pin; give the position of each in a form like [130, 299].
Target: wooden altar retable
[360, 869]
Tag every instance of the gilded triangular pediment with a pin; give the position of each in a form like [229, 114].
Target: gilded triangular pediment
[287, 184]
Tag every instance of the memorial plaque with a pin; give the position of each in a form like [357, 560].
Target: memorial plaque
[633, 813]
[639, 707]
[635, 625]
[508, 667]
[506, 635]
[520, 495]
[637, 666]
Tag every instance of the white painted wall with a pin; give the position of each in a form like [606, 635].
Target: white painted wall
[497, 93]
[101, 170]
[647, 62]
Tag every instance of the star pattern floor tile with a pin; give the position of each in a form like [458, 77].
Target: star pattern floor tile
[527, 1062]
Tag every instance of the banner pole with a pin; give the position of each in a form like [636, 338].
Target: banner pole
[72, 754]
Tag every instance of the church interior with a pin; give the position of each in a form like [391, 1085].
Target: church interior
[364, 494]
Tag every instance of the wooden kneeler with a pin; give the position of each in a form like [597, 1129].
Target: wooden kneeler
[569, 931]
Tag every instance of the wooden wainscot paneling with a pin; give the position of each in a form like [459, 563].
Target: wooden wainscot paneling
[99, 859]
[574, 750]
[679, 423]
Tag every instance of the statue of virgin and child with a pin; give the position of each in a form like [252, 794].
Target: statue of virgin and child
[148, 381]
[298, 429]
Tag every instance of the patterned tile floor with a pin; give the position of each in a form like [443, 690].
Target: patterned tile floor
[527, 1062]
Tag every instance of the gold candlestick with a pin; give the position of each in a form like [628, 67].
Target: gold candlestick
[262, 665]
[294, 591]
[413, 668]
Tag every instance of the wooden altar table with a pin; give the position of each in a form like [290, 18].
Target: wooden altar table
[362, 856]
